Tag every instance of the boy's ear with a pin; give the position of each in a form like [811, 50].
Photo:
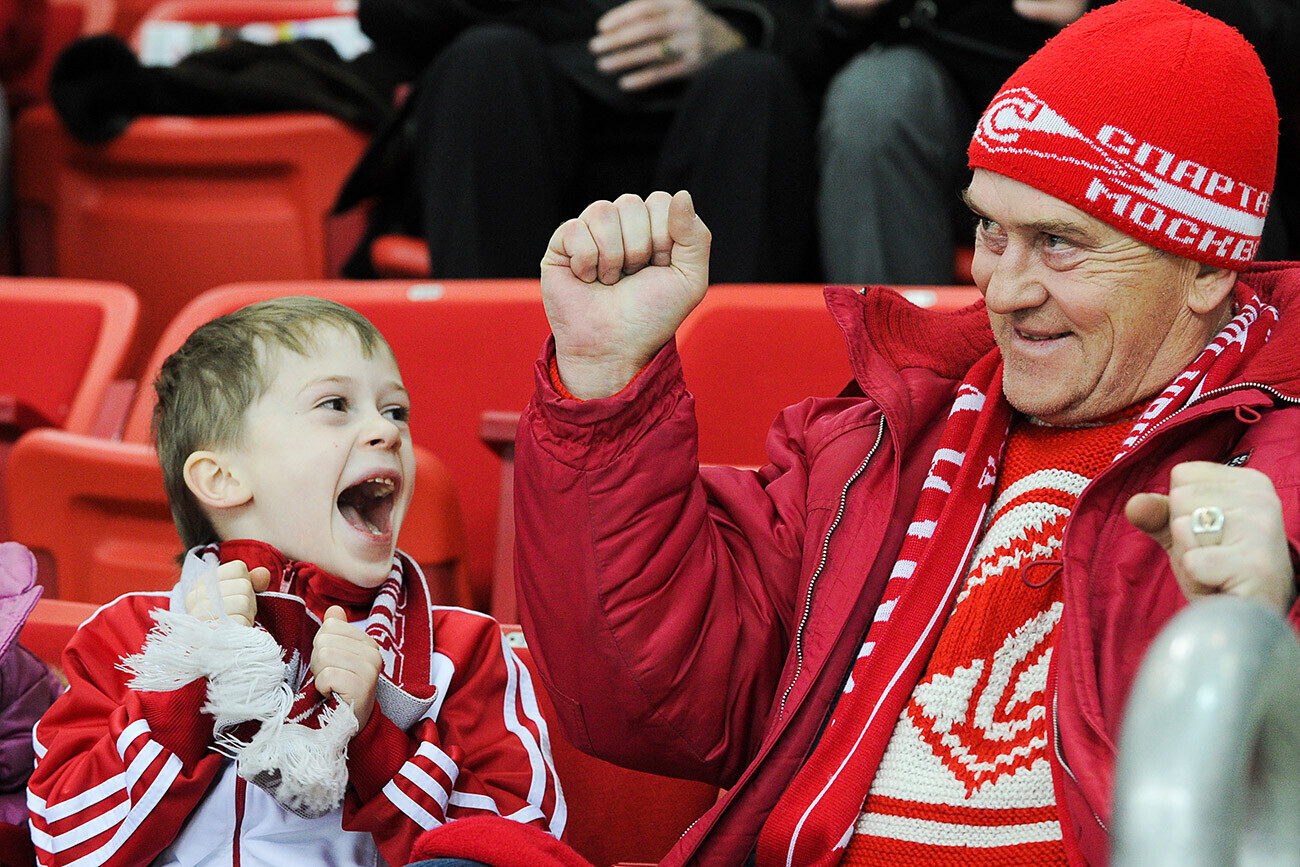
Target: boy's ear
[213, 482]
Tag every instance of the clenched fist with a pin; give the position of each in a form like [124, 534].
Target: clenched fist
[617, 281]
[346, 662]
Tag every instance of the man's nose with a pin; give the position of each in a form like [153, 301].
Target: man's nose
[1015, 281]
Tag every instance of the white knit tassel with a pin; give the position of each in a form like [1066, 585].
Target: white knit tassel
[182, 648]
[305, 769]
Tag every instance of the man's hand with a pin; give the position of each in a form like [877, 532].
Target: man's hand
[1252, 560]
[346, 662]
[616, 283]
[1057, 13]
[238, 588]
[660, 40]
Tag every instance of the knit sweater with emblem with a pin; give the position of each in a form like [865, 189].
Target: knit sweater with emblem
[965, 778]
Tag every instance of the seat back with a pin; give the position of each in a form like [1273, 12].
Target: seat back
[748, 351]
[616, 815]
[463, 347]
[177, 205]
[63, 342]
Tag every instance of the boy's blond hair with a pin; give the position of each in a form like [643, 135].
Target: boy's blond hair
[205, 387]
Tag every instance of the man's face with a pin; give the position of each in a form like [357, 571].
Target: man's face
[327, 456]
[1089, 320]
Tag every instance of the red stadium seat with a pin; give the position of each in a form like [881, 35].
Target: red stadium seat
[63, 342]
[50, 626]
[463, 347]
[235, 13]
[616, 816]
[750, 350]
[177, 205]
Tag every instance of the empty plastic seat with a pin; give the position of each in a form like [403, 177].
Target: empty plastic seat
[748, 351]
[61, 344]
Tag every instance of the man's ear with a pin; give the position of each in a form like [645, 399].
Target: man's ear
[214, 482]
[1211, 287]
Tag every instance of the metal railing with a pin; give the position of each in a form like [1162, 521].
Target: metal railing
[1209, 759]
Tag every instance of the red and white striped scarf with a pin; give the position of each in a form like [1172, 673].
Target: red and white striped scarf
[813, 821]
[397, 614]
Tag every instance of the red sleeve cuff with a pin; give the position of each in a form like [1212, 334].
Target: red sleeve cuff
[376, 754]
[176, 721]
[558, 384]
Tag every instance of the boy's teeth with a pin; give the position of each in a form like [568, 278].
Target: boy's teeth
[372, 528]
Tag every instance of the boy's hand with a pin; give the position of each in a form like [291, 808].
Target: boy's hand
[238, 588]
[346, 662]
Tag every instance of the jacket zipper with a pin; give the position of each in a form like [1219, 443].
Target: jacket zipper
[812, 582]
[1056, 722]
[1277, 395]
[1060, 756]
[821, 566]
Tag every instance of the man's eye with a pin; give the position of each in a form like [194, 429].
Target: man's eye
[399, 413]
[1056, 242]
[989, 235]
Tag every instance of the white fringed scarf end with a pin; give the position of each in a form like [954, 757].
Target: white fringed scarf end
[304, 768]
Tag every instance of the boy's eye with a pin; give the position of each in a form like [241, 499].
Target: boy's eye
[398, 413]
[336, 404]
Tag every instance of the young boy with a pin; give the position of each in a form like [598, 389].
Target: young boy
[295, 700]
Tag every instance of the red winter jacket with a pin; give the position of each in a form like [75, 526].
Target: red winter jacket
[701, 622]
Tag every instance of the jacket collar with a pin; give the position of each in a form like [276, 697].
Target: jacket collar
[1275, 365]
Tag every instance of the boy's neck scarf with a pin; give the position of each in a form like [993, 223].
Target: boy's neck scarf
[267, 713]
[814, 819]
[396, 612]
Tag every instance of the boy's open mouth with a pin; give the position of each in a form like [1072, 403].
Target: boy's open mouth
[368, 505]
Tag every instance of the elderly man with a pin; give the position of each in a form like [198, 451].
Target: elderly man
[908, 639]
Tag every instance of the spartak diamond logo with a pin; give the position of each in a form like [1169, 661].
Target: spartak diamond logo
[986, 718]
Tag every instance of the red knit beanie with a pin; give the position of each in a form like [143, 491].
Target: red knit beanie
[1154, 118]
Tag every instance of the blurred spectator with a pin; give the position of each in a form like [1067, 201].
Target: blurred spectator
[524, 112]
[897, 119]
[22, 33]
[22, 36]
